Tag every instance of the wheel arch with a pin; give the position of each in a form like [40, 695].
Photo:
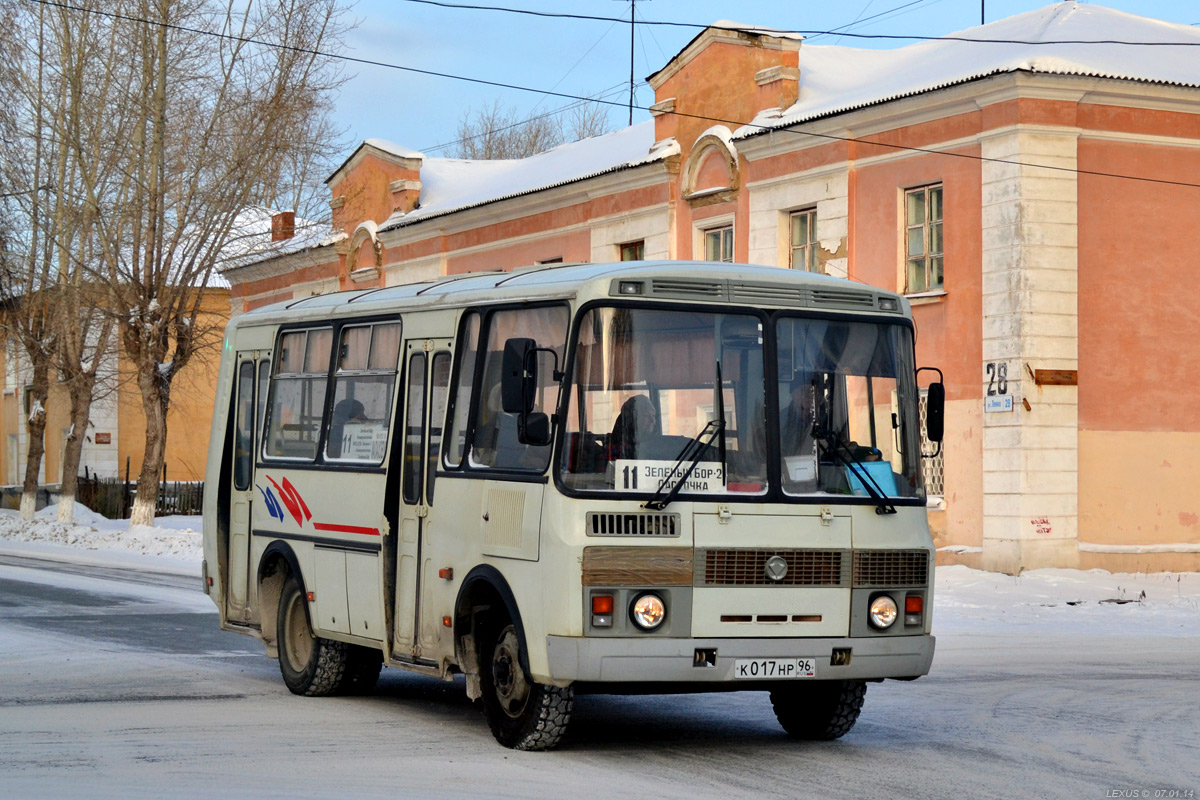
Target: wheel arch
[485, 586]
[277, 563]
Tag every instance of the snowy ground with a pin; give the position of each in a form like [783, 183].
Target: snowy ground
[115, 682]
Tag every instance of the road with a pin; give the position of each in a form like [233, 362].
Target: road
[117, 683]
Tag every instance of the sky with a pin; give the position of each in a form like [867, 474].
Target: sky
[591, 58]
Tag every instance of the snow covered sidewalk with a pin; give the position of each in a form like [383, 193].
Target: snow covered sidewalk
[965, 600]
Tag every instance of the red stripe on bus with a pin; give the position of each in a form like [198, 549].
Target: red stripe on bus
[321, 526]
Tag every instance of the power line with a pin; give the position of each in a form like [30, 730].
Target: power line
[799, 32]
[780, 129]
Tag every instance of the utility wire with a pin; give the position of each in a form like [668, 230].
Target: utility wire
[801, 32]
[779, 129]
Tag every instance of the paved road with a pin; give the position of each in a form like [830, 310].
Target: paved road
[118, 684]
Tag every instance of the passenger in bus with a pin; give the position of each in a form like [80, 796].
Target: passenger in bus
[347, 410]
[796, 419]
[635, 424]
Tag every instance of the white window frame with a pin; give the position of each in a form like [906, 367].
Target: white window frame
[809, 249]
[712, 225]
[925, 226]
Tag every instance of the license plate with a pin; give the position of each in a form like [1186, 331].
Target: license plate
[776, 668]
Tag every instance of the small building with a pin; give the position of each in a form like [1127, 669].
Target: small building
[1033, 194]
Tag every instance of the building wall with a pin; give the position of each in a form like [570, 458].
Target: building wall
[1139, 429]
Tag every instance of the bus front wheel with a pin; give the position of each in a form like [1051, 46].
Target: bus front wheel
[823, 710]
[310, 665]
[523, 714]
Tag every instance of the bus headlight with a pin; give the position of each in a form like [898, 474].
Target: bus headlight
[883, 612]
[648, 611]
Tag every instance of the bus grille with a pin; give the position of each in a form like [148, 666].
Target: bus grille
[607, 524]
[891, 568]
[748, 568]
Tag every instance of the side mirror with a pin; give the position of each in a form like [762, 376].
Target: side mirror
[935, 412]
[533, 428]
[518, 381]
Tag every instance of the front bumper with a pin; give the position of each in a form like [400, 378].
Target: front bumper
[638, 660]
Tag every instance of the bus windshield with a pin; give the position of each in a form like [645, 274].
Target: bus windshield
[835, 414]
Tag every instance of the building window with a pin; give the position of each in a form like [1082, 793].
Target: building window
[633, 251]
[804, 240]
[923, 239]
[557, 260]
[718, 244]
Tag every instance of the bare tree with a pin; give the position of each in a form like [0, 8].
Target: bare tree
[199, 123]
[31, 163]
[585, 120]
[496, 132]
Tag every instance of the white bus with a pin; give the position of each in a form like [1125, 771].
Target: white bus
[632, 477]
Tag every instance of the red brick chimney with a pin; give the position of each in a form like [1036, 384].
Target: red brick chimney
[283, 226]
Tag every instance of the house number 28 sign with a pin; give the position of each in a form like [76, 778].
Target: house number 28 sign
[998, 399]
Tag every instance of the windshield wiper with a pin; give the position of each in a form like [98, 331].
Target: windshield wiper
[882, 505]
[719, 404]
[694, 449]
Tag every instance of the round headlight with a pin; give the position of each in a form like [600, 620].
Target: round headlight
[648, 611]
[883, 611]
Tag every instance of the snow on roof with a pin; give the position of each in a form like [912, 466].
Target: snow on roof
[393, 148]
[759, 30]
[452, 184]
[836, 79]
[250, 240]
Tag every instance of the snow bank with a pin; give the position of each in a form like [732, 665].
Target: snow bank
[176, 538]
[1065, 601]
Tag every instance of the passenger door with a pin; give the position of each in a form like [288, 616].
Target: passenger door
[252, 369]
[426, 383]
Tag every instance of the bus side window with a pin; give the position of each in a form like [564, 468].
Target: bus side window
[244, 427]
[441, 389]
[414, 429]
[456, 445]
[494, 441]
[364, 383]
[298, 388]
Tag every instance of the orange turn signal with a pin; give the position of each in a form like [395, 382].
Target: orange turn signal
[914, 604]
[447, 622]
[602, 604]
[312, 596]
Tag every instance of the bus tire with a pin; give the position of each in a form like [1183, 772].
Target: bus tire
[523, 714]
[819, 711]
[362, 670]
[310, 665]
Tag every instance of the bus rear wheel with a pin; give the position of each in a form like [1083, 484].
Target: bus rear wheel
[523, 714]
[310, 665]
[819, 711]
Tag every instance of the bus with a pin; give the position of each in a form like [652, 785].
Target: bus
[590, 478]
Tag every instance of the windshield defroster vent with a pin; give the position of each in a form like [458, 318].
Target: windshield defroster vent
[601, 523]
